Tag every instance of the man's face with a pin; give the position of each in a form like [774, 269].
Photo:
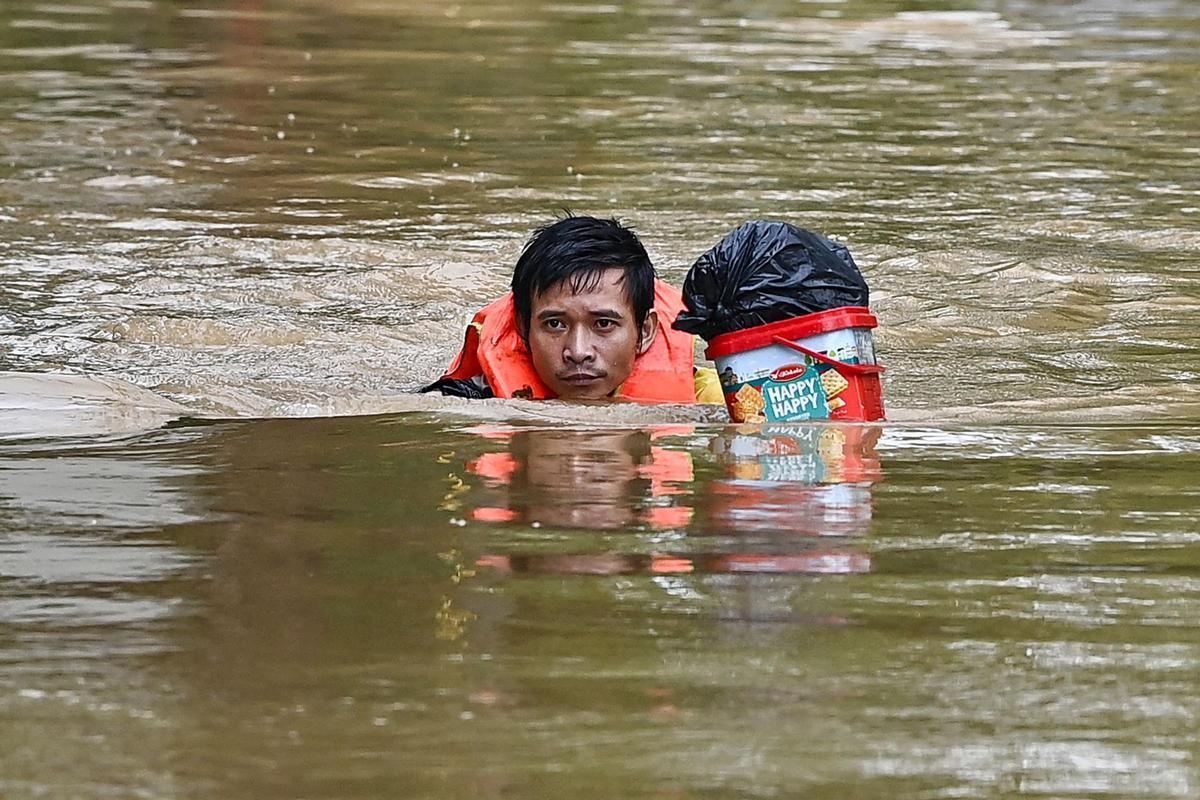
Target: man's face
[584, 344]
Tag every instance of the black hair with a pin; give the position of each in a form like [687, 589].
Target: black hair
[577, 250]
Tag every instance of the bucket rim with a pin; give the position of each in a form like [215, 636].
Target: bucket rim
[760, 336]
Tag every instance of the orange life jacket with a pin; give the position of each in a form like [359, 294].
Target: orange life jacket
[494, 348]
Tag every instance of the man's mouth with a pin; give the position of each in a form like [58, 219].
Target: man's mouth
[580, 378]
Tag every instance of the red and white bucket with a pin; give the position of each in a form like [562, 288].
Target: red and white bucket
[814, 367]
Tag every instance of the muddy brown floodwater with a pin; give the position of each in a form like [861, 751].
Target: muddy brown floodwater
[239, 559]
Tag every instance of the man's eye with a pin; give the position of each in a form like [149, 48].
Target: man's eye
[606, 324]
[554, 325]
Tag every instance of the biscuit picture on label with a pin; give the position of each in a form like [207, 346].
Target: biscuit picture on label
[748, 405]
[834, 383]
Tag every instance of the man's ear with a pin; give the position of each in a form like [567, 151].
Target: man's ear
[648, 332]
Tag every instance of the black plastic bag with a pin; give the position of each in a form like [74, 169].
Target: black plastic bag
[765, 272]
[457, 387]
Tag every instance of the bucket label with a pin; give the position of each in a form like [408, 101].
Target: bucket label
[791, 393]
[802, 397]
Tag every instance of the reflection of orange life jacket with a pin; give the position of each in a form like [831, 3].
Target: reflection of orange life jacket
[494, 348]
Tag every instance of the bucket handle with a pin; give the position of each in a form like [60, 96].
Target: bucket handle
[840, 366]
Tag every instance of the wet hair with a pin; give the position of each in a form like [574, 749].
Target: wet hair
[576, 250]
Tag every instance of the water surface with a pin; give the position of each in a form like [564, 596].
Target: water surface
[210, 199]
[404, 607]
[224, 222]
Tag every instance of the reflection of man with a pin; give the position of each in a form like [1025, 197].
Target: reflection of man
[618, 480]
[587, 479]
[576, 480]
[582, 483]
[586, 319]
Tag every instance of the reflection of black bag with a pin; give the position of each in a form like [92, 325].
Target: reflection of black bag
[765, 272]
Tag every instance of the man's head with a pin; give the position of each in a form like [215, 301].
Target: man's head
[583, 290]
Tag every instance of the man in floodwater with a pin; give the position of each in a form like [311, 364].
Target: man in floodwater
[586, 320]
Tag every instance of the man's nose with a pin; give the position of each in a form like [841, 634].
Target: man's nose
[578, 347]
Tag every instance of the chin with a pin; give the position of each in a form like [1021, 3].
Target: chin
[569, 392]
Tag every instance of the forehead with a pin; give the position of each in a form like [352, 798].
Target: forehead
[606, 291]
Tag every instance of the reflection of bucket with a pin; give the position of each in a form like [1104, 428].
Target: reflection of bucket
[801, 453]
[819, 366]
[808, 480]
